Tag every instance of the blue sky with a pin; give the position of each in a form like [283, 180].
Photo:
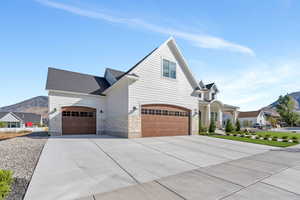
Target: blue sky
[249, 48]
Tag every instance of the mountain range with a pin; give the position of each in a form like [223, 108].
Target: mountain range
[38, 105]
[295, 96]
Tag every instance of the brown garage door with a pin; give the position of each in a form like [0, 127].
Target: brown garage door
[164, 120]
[78, 120]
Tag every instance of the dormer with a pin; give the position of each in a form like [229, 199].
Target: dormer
[112, 75]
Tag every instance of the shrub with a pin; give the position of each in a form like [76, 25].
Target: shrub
[242, 135]
[212, 126]
[237, 125]
[294, 138]
[285, 137]
[227, 134]
[229, 127]
[275, 138]
[248, 136]
[285, 140]
[5, 183]
[295, 141]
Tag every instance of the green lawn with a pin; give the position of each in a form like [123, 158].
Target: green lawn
[278, 134]
[256, 141]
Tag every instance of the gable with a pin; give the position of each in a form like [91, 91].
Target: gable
[152, 86]
[169, 51]
[9, 118]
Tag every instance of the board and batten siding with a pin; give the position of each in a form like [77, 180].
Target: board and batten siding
[116, 122]
[58, 99]
[153, 88]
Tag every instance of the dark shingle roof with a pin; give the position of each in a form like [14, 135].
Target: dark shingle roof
[116, 73]
[25, 117]
[75, 82]
[2, 114]
[28, 117]
[208, 86]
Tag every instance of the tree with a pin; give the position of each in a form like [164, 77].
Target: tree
[212, 126]
[285, 108]
[229, 126]
[2, 124]
[272, 120]
[237, 125]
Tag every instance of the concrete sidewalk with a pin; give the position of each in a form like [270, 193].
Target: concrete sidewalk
[243, 179]
[75, 167]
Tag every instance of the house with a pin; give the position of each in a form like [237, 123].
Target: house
[248, 119]
[20, 119]
[158, 96]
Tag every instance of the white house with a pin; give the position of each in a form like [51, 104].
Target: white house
[251, 117]
[158, 96]
[20, 119]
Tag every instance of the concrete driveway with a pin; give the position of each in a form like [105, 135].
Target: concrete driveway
[181, 167]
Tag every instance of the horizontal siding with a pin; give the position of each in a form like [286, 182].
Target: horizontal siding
[57, 100]
[153, 88]
[116, 122]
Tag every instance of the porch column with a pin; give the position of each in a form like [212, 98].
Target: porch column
[208, 117]
[220, 118]
[234, 116]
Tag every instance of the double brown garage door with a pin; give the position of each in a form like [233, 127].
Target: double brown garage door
[164, 120]
[78, 120]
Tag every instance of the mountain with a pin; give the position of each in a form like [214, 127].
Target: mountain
[38, 105]
[296, 98]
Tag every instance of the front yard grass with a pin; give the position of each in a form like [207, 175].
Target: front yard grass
[256, 141]
[278, 134]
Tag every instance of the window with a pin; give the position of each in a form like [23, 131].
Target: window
[169, 69]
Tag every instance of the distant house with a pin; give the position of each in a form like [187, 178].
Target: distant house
[251, 117]
[19, 119]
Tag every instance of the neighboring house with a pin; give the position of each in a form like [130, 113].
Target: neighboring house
[20, 119]
[158, 96]
[248, 119]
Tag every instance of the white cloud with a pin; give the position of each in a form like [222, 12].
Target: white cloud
[258, 86]
[199, 40]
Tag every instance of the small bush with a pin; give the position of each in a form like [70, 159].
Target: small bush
[228, 134]
[229, 127]
[294, 138]
[242, 135]
[285, 137]
[295, 141]
[274, 138]
[5, 183]
[237, 126]
[248, 136]
[212, 126]
[285, 140]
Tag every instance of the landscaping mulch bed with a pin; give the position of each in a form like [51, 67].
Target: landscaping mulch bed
[21, 155]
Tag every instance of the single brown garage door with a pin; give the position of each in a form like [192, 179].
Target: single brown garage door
[78, 120]
[164, 120]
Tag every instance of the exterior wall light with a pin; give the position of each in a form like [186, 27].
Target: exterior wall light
[134, 108]
[101, 111]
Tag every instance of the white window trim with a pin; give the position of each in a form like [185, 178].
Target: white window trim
[162, 68]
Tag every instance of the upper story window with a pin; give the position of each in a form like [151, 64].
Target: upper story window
[169, 69]
[213, 96]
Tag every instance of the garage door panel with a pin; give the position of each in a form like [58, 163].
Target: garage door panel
[164, 120]
[78, 120]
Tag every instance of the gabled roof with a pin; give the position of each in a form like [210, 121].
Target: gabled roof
[75, 82]
[249, 114]
[24, 117]
[209, 86]
[2, 114]
[116, 73]
[28, 117]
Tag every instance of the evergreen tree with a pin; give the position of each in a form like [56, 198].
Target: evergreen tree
[212, 126]
[237, 125]
[229, 126]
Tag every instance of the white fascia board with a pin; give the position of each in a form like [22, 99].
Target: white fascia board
[75, 93]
